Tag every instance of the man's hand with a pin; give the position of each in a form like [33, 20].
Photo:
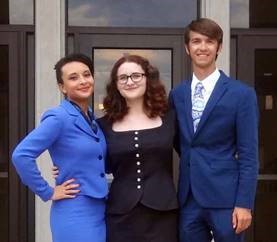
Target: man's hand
[241, 219]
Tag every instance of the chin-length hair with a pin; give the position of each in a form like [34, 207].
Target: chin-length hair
[155, 98]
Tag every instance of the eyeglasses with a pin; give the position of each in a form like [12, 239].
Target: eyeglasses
[135, 77]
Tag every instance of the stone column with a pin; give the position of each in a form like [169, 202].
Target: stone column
[49, 47]
[219, 11]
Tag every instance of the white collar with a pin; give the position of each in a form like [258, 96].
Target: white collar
[208, 83]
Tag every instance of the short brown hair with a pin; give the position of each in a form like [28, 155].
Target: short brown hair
[155, 98]
[75, 57]
[206, 27]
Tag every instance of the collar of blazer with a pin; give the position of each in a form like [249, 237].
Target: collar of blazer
[80, 121]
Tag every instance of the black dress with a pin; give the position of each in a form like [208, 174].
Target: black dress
[142, 203]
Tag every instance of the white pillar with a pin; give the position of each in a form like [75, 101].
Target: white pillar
[49, 47]
[219, 11]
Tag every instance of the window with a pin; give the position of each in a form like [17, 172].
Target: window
[253, 14]
[17, 12]
[128, 13]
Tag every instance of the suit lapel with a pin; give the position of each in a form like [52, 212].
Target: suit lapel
[216, 95]
[79, 122]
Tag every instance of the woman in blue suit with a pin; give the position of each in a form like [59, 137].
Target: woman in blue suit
[77, 146]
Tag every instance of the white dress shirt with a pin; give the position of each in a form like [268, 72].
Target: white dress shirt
[208, 83]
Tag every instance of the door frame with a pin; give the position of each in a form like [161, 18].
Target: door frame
[84, 39]
[243, 44]
[20, 40]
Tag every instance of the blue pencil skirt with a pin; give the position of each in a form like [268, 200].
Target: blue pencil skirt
[81, 219]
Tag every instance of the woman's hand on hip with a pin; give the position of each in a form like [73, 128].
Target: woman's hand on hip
[66, 190]
[55, 172]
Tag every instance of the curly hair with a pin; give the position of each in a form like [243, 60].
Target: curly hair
[155, 98]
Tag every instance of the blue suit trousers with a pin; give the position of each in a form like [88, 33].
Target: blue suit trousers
[198, 224]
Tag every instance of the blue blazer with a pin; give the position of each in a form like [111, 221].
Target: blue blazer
[73, 147]
[219, 162]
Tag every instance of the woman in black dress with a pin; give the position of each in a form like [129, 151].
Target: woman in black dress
[140, 132]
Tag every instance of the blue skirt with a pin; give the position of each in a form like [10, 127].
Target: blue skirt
[78, 219]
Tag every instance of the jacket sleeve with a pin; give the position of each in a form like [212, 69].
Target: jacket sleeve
[247, 148]
[176, 143]
[36, 142]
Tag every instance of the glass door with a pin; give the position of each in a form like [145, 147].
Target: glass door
[163, 47]
[105, 58]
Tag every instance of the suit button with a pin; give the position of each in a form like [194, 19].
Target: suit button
[137, 155]
[100, 157]
[138, 163]
[136, 132]
[138, 179]
[138, 186]
[102, 174]
[97, 140]
[136, 145]
[136, 138]
[138, 171]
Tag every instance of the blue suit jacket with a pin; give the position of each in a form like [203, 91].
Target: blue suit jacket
[219, 162]
[73, 147]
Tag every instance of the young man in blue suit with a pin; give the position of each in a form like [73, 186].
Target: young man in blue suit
[218, 127]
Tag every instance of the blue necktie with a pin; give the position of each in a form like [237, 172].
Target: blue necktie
[198, 104]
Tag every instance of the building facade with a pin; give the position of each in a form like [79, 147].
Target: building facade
[35, 34]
